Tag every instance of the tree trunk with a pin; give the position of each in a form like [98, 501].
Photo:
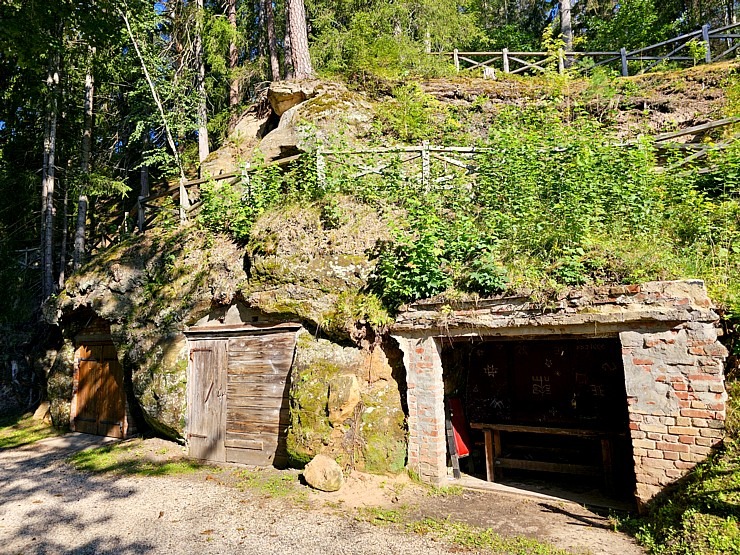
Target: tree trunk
[63, 248]
[200, 83]
[272, 40]
[287, 46]
[566, 28]
[79, 245]
[300, 55]
[233, 55]
[47, 184]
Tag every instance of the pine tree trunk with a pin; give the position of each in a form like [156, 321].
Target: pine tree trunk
[287, 49]
[47, 184]
[233, 55]
[272, 40]
[79, 243]
[200, 79]
[299, 52]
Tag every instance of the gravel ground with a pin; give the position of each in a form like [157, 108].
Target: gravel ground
[46, 506]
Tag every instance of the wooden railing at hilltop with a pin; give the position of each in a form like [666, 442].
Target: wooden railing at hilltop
[677, 49]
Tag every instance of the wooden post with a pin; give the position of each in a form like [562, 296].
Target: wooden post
[184, 201]
[320, 168]
[142, 215]
[625, 69]
[456, 60]
[505, 55]
[425, 166]
[561, 61]
[705, 36]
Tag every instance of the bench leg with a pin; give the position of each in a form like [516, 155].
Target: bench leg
[490, 462]
[606, 457]
[498, 472]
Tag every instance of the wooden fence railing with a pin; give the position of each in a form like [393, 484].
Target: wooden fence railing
[712, 45]
[428, 165]
[145, 210]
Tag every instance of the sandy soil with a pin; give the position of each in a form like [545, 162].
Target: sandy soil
[47, 506]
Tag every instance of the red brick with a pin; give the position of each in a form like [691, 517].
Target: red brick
[689, 440]
[634, 426]
[655, 454]
[657, 463]
[642, 361]
[703, 378]
[680, 386]
[680, 430]
[696, 413]
[696, 350]
[670, 455]
[672, 447]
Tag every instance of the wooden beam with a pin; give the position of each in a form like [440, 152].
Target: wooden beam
[696, 129]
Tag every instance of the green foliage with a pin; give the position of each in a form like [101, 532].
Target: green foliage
[410, 117]
[233, 208]
[388, 39]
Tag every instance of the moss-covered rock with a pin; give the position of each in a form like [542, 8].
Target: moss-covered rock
[372, 436]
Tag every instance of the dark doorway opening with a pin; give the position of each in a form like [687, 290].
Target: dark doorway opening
[546, 415]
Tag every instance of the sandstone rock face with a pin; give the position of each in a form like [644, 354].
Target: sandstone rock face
[323, 473]
[283, 95]
[344, 396]
[300, 116]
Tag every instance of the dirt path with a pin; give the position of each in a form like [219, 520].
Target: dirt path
[46, 506]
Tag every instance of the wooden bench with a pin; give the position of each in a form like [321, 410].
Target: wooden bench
[495, 461]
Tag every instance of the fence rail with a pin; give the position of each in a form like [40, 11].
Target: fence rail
[510, 61]
[429, 165]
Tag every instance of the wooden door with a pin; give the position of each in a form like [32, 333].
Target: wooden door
[100, 402]
[207, 399]
[257, 416]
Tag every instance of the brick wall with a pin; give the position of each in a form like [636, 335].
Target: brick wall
[676, 401]
[425, 395]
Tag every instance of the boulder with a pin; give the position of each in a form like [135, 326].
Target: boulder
[344, 395]
[43, 412]
[283, 95]
[323, 473]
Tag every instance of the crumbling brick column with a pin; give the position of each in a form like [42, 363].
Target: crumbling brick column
[676, 401]
[427, 450]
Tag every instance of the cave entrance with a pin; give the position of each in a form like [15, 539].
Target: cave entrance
[546, 414]
[238, 390]
[98, 400]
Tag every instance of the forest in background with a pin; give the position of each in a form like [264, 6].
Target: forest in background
[101, 100]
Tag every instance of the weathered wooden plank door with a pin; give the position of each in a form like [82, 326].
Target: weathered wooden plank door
[257, 398]
[207, 399]
[100, 402]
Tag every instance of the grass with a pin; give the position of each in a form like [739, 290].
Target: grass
[700, 516]
[22, 429]
[128, 459]
[272, 484]
[379, 516]
[457, 533]
[472, 537]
